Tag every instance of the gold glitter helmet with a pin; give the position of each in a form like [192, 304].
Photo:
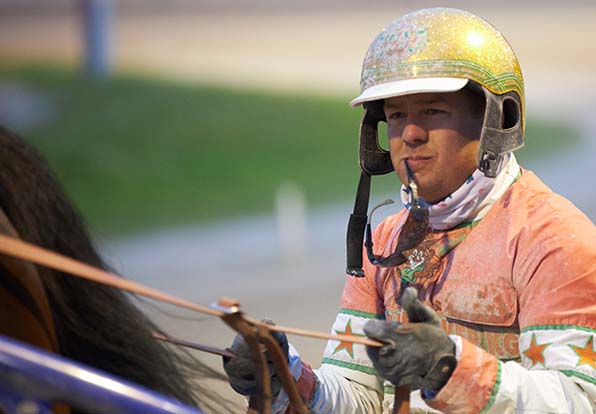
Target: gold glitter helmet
[435, 50]
[442, 50]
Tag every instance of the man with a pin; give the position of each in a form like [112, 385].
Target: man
[504, 266]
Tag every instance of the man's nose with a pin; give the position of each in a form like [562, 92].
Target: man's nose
[414, 133]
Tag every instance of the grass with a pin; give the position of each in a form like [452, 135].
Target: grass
[138, 153]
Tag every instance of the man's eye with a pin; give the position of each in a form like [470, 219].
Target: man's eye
[433, 111]
[396, 115]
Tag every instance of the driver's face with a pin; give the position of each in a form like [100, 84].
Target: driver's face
[439, 135]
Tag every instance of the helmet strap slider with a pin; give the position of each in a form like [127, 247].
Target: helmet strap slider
[489, 163]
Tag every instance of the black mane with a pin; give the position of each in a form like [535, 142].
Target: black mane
[96, 325]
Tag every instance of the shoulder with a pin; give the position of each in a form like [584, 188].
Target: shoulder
[554, 265]
[367, 293]
[545, 215]
[388, 228]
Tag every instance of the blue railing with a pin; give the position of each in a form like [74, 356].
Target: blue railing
[33, 380]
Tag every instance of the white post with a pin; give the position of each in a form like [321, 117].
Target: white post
[290, 208]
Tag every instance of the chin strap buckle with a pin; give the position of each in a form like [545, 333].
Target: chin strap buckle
[489, 163]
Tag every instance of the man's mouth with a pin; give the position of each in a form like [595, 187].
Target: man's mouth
[418, 162]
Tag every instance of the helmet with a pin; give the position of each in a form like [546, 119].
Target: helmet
[436, 50]
[442, 50]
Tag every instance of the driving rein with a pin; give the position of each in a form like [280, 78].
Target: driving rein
[256, 333]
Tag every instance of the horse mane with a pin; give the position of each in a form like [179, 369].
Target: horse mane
[95, 324]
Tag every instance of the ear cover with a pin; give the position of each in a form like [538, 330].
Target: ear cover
[374, 160]
[502, 131]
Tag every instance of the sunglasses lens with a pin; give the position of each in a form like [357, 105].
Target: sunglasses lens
[414, 230]
[411, 235]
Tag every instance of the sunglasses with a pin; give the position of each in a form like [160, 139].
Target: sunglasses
[412, 233]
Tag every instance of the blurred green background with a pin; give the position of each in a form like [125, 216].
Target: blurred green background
[206, 108]
[140, 153]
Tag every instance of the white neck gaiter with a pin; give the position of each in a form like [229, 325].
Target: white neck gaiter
[472, 200]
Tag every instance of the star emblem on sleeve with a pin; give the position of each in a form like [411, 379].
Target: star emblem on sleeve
[587, 355]
[535, 352]
[347, 346]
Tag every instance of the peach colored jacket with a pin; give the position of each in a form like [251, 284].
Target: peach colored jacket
[518, 296]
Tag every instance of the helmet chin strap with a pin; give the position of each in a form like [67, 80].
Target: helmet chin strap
[356, 226]
[373, 160]
[376, 161]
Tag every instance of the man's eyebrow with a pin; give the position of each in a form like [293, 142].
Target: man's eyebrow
[393, 106]
[421, 100]
[432, 101]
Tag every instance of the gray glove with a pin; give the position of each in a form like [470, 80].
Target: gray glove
[241, 369]
[418, 354]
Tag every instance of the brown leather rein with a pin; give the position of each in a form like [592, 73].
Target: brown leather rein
[257, 333]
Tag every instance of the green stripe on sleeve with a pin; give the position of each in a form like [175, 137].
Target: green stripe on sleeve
[557, 328]
[493, 396]
[581, 375]
[361, 314]
[348, 365]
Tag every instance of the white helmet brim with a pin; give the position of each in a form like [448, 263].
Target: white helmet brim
[408, 87]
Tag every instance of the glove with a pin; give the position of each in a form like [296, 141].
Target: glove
[241, 368]
[419, 354]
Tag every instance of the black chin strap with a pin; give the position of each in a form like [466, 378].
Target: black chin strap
[356, 226]
[373, 160]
